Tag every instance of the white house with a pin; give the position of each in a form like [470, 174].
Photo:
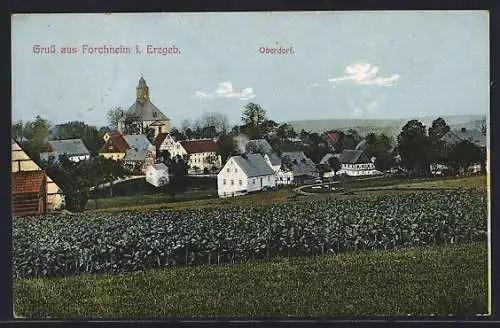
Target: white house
[283, 175]
[243, 174]
[202, 155]
[356, 163]
[157, 174]
[74, 149]
[165, 142]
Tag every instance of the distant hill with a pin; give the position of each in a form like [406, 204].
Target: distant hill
[390, 127]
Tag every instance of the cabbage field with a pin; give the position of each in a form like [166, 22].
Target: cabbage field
[119, 242]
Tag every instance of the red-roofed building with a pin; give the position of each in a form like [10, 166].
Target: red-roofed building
[201, 153]
[115, 146]
[29, 193]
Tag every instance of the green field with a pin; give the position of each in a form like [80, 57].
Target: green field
[208, 198]
[424, 281]
[164, 202]
[418, 280]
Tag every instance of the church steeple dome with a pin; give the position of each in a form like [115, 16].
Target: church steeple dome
[142, 91]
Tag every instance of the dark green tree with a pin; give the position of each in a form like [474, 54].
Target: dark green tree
[438, 129]
[255, 121]
[32, 136]
[414, 148]
[463, 154]
[384, 161]
[335, 164]
[79, 130]
[178, 169]
[226, 146]
[378, 144]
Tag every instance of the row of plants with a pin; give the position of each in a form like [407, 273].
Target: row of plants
[119, 242]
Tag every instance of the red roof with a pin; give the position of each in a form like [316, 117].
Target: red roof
[159, 139]
[27, 181]
[199, 146]
[115, 144]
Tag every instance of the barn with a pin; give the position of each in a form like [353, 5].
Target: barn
[29, 193]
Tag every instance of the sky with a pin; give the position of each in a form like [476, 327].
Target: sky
[344, 65]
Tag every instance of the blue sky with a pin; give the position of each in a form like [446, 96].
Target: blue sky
[345, 64]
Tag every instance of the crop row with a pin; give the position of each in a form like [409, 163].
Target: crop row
[118, 242]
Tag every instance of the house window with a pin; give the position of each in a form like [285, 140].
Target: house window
[224, 182]
[228, 170]
[232, 182]
[253, 181]
[269, 178]
[235, 170]
[241, 183]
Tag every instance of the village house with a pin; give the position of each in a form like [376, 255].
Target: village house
[356, 162]
[303, 168]
[157, 175]
[115, 146]
[201, 155]
[73, 149]
[136, 151]
[472, 135]
[456, 136]
[140, 153]
[165, 142]
[244, 174]
[21, 162]
[146, 113]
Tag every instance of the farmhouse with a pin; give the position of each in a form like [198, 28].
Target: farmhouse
[74, 149]
[157, 174]
[243, 174]
[472, 135]
[356, 163]
[456, 136]
[114, 146]
[146, 113]
[21, 162]
[202, 155]
[302, 167]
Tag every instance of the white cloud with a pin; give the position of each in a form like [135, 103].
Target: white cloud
[225, 90]
[365, 74]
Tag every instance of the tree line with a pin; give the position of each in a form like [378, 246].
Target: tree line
[414, 150]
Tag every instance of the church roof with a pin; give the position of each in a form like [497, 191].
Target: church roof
[147, 111]
[144, 108]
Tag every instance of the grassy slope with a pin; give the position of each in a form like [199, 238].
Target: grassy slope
[442, 281]
[154, 202]
[477, 182]
[363, 188]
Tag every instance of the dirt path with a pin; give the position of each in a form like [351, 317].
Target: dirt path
[103, 185]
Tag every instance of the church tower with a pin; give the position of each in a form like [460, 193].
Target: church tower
[142, 91]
